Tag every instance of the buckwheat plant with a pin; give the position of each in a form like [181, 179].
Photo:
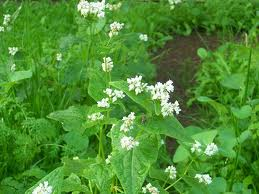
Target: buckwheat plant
[124, 124]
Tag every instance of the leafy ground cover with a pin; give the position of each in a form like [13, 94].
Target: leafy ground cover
[81, 111]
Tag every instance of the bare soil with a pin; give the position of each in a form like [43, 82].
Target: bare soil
[179, 62]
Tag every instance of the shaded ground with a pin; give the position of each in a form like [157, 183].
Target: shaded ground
[179, 62]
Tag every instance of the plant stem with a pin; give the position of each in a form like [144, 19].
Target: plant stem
[247, 76]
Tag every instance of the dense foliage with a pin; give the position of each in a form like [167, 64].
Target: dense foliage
[80, 112]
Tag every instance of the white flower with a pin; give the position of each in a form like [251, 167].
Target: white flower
[136, 84]
[173, 3]
[203, 178]
[211, 149]
[108, 159]
[96, 116]
[59, 57]
[76, 158]
[143, 37]
[7, 19]
[128, 143]
[13, 67]
[172, 171]
[114, 94]
[113, 7]
[1, 28]
[196, 147]
[91, 8]
[149, 188]
[43, 188]
[104, 103]
[13, 50]
[128, 122]
[168, 108]
[115, 27]
[107, 64]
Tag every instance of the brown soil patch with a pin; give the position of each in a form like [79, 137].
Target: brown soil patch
[179, 62]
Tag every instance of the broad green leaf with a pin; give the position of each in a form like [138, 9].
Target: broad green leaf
[76, 141]
[242, 113]
[73, 183]
[98, 81]
[205, 137]
[234, 81]
[218, 186]
[20, 75]
[244, 136]
[227, 141]
[142, 99]
[55, 180]
[168, 126]
[72, 119]
[76, 166]
[181, 154]
[101, 175]
[132, 166]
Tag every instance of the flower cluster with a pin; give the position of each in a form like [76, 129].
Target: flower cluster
[13, 67]
[91, 8]
[113, 7]
[104, 103]
[203, 178]
[96, 116]
[173, 3]
[196, 147]
[13, 50]
[128, 122]
[136, 84]
[7, 19]
[115, 27]
[149, 188]
[162, 92]
[107, 64]
[143, 37]
[114, 94]
[172, 171]
[128, 143]
[59, 57]
[1, 28]
[108, 159]
[43, 188]
[211, 149]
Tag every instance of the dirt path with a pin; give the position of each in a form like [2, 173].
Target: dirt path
[179, 62]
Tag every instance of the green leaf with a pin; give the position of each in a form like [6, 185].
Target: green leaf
[181, 154]
[202, 53]
[142, 99]
[131, 167]
[205, 137]
[234, 81]
[55, 180]
[76, 141]
[72, 119]
[227, 141]
[242, 113]
[34, 172]
[20, 75]
[101, 175]
[218, 186]
[73, 183]
[76, 166]
[97, 82]
[168, 126]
